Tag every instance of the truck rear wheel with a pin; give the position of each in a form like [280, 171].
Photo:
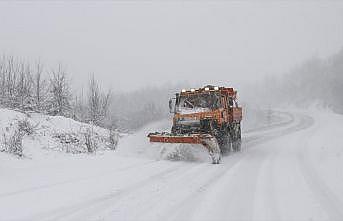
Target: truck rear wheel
[224, 140]
[236, 146]
[225, 145]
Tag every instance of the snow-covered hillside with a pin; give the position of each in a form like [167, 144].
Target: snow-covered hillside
[289, 169]
[43, 135]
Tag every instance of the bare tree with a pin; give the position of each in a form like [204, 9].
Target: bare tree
[98, 103]
[60, 95]
[39, 87]
[80, 109]
[23, 90]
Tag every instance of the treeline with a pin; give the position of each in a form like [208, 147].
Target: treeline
[317, 81]
[32, 87]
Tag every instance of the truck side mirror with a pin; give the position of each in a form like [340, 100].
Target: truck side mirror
[170, 105]
[172, 102]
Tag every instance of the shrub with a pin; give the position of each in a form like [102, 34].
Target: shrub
[25, 126]
[90, 141]
[113, 139]
[13, 143]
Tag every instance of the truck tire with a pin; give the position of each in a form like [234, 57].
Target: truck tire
[224, 140]
[216, 158]
[226, 145]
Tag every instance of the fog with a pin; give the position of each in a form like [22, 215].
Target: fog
[133, 45]
[140, 53]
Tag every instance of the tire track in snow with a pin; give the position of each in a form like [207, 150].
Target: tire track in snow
[219, 174]
[69, 211]
[266, 133]
[215, 178]
[273, 203]
[175, 213]
[266, 205]
[305, 122]
[252, 142]
[64, 212]
[327, 199]
[157, 194]
[274, 125]
[47, 186]
[191, 203]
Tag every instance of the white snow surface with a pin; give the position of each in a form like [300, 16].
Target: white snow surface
[290, 169]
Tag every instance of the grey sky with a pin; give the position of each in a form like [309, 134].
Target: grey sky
[130, 45]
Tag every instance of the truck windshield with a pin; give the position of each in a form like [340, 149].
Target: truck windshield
[198, 102]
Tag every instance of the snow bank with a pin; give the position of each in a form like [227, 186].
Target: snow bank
[55, 133]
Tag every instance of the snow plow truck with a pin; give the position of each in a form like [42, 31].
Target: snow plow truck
[209, 116]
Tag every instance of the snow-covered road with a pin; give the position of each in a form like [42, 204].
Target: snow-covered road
[289, 170]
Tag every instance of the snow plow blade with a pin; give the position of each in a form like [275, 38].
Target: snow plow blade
[171, 138]
[207, 140]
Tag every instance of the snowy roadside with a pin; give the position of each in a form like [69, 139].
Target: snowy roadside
[295, 175]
